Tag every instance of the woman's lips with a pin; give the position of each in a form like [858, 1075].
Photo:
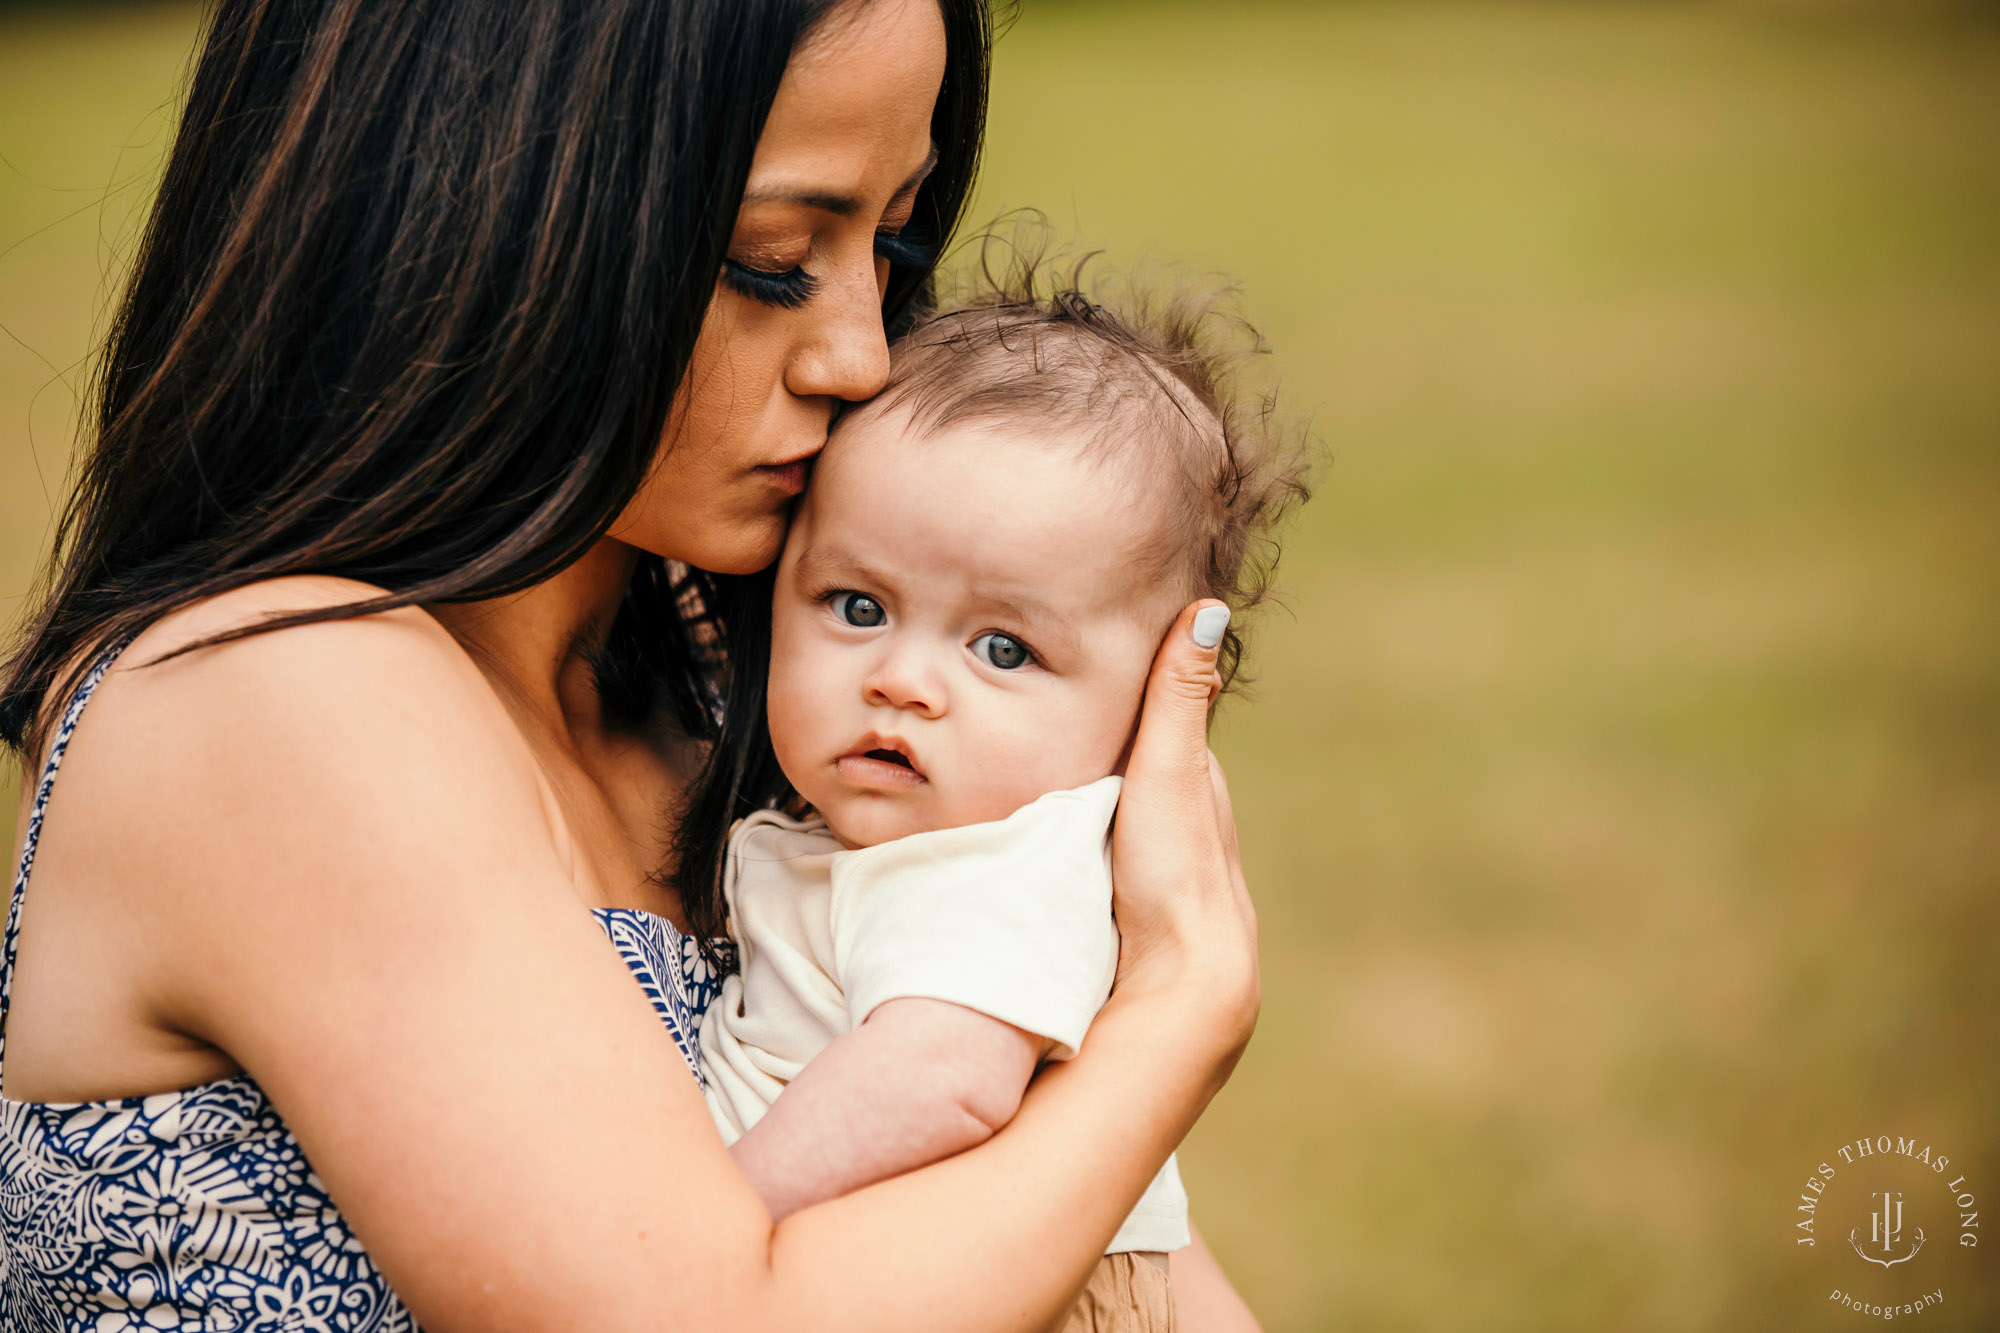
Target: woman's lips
[788, 477]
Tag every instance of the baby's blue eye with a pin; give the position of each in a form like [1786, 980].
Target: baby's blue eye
[1001, 650]
[858, 608]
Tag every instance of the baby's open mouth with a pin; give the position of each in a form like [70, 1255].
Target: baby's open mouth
[881, 763]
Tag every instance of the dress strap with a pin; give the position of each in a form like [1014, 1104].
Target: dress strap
[58, 744]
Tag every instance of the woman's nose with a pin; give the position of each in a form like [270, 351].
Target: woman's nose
[848, 358]
[905, 679]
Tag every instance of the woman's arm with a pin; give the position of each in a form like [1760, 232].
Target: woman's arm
[338, 854]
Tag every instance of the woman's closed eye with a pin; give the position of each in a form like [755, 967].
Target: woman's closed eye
[857, 609]
[791, 288]
[787, 290]
[1002, 651]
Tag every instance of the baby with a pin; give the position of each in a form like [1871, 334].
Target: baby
[963, 620]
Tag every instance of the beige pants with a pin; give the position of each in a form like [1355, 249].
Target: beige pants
[1128, 1293]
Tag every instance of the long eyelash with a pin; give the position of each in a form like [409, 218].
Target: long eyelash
[904, 250]
[787, 291]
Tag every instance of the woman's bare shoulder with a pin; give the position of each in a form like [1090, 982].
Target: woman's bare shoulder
[298, 725]
[227, 813]
[270, 599]
[304, 664]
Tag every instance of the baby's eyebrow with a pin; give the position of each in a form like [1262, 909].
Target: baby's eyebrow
[1038, 617]
[818, 564]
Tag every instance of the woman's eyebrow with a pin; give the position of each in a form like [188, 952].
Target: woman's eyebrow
[921, 174]
[840, 205]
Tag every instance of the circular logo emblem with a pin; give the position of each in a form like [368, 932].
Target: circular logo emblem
[1878, 1217]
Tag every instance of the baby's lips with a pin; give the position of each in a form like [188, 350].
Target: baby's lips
[872, 768]
[888, 750]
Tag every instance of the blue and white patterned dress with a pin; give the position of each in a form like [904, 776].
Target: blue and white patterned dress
[197, 1209]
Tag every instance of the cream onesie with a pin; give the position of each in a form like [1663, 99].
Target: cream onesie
[1011, 918]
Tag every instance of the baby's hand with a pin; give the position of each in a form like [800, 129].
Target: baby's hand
[918, 1081]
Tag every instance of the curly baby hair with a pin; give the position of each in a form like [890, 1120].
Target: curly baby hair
[1146, 375]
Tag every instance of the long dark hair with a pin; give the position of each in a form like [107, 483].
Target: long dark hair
[411, 307]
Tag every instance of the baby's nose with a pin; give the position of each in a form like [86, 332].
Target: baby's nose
[906, 680]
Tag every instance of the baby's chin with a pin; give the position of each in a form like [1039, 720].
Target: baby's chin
[857, 824]
[869, 821]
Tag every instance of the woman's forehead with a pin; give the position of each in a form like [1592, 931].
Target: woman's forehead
[854, 108]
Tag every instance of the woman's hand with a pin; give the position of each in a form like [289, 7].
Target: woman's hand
[1184, 916]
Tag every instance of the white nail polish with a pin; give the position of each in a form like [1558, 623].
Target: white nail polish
[1209, 622]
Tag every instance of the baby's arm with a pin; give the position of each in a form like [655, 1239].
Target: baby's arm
[918, 1081]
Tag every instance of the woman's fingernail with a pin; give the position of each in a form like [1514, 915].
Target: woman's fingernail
[1209, 622]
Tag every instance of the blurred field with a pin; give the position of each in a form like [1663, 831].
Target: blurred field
[1622, 793]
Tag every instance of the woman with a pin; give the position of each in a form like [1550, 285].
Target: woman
[458, 332]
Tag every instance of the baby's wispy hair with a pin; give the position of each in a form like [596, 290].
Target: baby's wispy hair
[1151, 375]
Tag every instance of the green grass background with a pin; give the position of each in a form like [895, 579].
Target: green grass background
[1622, 789]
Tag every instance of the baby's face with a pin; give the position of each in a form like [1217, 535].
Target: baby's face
[960, 625]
